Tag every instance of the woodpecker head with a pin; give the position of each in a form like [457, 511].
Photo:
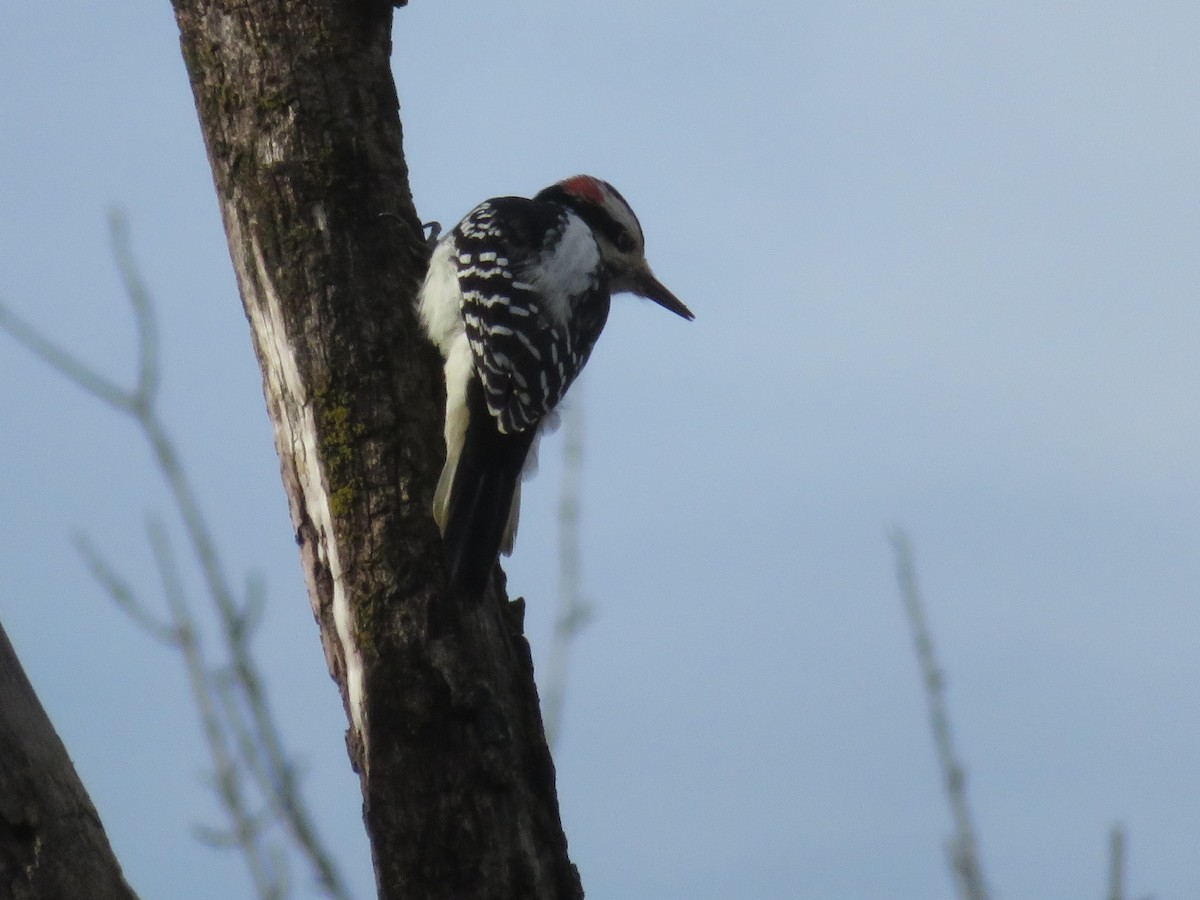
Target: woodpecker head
[618, 235]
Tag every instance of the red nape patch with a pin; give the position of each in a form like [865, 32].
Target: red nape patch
[585, 187]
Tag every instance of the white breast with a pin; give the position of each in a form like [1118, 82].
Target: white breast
[440, 301]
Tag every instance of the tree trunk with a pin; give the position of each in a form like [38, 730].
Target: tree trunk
[52, 844]
[300, 117]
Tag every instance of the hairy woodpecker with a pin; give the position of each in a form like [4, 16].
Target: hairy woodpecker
[515, 297]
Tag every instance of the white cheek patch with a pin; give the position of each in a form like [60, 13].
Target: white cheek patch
[567, 272]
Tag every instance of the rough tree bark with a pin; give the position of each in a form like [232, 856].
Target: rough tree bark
[300, 117]
[51, 840]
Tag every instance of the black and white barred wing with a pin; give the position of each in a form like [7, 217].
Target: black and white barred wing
[519, 333]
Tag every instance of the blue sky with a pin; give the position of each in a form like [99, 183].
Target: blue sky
[943, 260]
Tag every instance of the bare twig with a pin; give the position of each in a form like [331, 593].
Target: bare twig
[247, 831]
[963, 848]
[63, 362]
[573, 613]
[1116, 863]
[239, 728]
[123, 595]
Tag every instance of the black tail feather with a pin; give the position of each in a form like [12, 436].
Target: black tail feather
[488, 471]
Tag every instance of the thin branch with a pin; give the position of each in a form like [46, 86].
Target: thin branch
[123, 594]
[268, 763]
[573, 613]
[1116, 863]
[253, 607]
[247, 830]
[963, 847]
[275, 774]
[62, 361]
[143, 309]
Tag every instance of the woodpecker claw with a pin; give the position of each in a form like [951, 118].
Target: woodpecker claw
[434, 228]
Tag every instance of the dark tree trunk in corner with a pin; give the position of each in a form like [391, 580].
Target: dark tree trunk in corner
[52, 844]
[300, 117]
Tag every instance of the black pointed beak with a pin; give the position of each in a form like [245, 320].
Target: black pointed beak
[652, 289]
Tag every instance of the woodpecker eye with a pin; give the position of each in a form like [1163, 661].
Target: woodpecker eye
[625, 242]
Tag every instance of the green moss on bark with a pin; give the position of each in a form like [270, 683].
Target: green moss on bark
[337, 433]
